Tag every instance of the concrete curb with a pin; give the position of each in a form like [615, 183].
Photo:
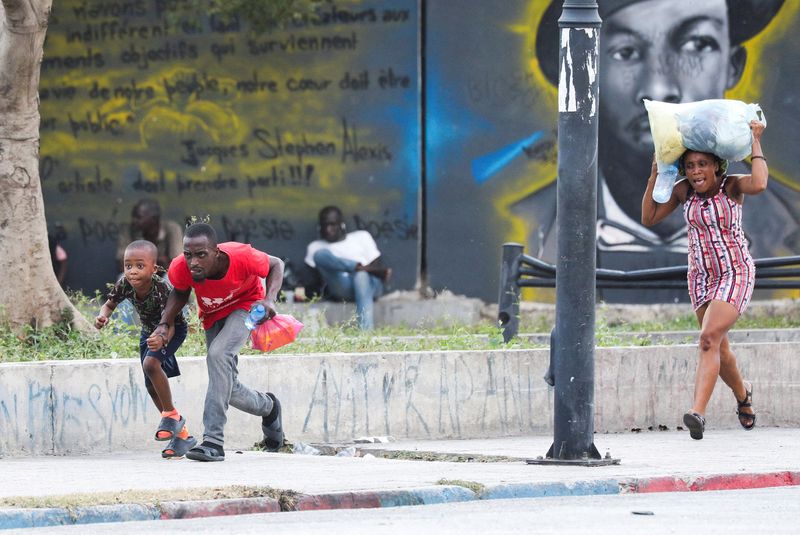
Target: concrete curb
[385, 498]
[551, 488]
[61, 516]
[715, 482]
[34, 518]
[227, 507]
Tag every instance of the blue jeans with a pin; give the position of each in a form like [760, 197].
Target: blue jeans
[344, 282]
[224, 339]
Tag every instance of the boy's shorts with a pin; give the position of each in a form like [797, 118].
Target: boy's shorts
[166, 354]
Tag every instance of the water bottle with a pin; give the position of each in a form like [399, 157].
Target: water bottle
[257, 313]
[347, 452]
[665, 180]
[301, 448]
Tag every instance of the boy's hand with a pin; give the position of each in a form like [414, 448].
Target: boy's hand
[160, 336]
[156, 341]
[100, 321]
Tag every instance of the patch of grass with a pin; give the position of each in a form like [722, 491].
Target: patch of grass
[119, 340]
[538, 324]
[60, 342]
[688, 322]
[766, 322]
[474, 486]
[143, 497]
[387, 339]
[287, 447]
[409, 455]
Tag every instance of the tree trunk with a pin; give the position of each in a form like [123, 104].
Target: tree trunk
[29, 291]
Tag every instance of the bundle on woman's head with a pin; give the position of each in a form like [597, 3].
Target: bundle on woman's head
[717, 126]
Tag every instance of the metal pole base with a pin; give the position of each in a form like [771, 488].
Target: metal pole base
[591, 458]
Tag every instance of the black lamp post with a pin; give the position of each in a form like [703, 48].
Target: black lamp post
[573, 343]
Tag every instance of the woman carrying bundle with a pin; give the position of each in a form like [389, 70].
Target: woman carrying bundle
[721, 271]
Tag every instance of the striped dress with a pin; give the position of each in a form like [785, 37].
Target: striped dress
[720, 265]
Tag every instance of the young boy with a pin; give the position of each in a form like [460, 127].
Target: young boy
[142, 284]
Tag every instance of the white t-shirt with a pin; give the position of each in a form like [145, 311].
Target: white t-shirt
[357, 245]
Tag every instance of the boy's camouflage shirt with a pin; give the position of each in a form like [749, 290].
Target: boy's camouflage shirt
[149, 308]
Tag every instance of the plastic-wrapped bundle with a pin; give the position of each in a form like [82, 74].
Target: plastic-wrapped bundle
[718, 126]
[276, 332]
[721, 127]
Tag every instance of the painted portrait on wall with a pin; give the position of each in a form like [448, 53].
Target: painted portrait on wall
[667, 50]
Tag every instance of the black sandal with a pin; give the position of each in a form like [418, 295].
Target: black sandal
[696, 424]
[206, 452]
[178, 447]
[746, 419]
[272, 427]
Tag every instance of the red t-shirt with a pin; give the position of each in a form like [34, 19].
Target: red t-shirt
[238, 289]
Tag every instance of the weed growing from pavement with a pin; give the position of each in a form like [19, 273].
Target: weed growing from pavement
[119, 340]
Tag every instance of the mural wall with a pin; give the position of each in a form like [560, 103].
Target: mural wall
[144, 98]
[259, 132]
[491, 116]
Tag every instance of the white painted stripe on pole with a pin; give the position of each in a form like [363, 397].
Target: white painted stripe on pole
[591, 67]
[566, 85]
[568, 100]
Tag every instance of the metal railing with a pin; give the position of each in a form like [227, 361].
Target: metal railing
[518, 270]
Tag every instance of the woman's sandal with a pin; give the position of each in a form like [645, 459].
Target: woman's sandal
[746, 419]
[178, 447]
[171, 426]
[696, 424]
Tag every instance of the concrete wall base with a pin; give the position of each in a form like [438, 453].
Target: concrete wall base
[100, 406]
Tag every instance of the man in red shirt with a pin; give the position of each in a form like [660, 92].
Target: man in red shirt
[227, 281]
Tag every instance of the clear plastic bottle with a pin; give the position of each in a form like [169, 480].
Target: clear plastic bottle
[347, 452]
[301, 448]
[257, 313]
[665, 181]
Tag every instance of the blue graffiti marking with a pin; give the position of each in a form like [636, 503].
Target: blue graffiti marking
[484, 167]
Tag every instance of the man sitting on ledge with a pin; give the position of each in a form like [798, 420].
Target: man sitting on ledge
[349, 264]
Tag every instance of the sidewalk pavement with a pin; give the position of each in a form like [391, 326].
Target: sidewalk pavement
[650, 461]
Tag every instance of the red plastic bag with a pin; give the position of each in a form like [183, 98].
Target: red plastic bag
[282, 329]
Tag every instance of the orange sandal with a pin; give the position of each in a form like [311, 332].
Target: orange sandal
[169, 427]
[178, 447]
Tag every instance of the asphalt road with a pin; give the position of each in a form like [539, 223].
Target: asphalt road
[768, 511]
